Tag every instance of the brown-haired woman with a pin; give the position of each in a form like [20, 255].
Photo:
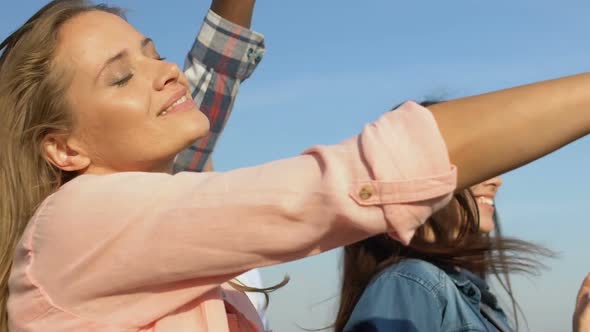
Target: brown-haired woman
[98, 235]
[439, 281]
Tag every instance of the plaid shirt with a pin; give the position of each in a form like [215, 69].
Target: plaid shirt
[223, 55]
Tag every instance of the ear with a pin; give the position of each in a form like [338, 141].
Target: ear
[61, 150]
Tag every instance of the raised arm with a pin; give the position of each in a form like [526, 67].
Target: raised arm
[513, 127]
[236, 11]
[224, 54]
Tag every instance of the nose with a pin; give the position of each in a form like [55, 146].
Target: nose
[495, 183]
[167, 73]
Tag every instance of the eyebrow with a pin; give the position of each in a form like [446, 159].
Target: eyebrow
[145, 42]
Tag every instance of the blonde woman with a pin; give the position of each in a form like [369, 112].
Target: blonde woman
[98, 235]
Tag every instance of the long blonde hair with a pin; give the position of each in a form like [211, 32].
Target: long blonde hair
[32, 104]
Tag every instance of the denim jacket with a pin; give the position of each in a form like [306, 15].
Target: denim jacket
[417, 296]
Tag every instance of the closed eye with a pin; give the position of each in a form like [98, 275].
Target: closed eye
[122, 82]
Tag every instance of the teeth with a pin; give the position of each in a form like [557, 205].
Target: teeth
[178, 102]
[485, 200]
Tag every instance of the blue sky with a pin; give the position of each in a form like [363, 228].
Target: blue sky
[332, 66]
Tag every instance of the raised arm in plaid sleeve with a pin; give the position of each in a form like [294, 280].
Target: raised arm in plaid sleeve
[223, 55]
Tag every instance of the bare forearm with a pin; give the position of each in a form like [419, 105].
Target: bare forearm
[493, 133]
[235, 11]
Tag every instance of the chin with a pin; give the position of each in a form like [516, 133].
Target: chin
[194, 128]
[486, 225]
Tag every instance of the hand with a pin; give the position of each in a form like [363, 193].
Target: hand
[582, 314]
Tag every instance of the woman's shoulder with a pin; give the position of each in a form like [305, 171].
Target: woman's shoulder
[410, 283]
[118, 179]
[88, 198]
[412, 270]
[417, 280]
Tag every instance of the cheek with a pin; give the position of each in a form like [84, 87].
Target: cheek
[115, 114]
[110, 123]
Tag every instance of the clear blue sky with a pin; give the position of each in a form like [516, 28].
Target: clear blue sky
[332, 66]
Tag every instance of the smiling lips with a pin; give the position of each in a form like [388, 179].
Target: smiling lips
[181, 104]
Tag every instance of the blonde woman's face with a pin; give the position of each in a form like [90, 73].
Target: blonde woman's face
[485, 194]
[132, 110]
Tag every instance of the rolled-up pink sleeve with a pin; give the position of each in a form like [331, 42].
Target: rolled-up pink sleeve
[134, 239]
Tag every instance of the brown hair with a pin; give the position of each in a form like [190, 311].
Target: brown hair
[450, 238]
[32, 104]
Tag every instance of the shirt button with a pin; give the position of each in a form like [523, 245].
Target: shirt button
[366, 193]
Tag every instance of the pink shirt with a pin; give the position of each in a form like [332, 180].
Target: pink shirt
[149, 251]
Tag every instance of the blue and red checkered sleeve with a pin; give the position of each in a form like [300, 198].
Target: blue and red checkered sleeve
[223, 55]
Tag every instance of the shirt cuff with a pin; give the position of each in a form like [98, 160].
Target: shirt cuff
[413, 177]
[228, 48]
